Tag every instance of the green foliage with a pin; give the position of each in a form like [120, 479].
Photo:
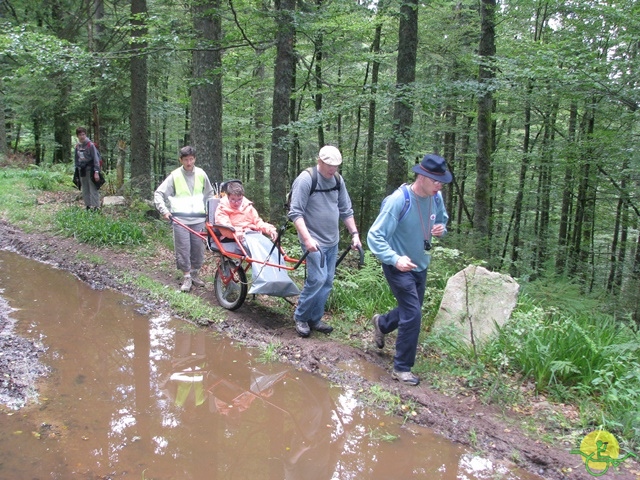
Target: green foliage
[361, 289]
[13, 188]
[97, 229]
[188, 306]
[564, 294]
[574, 356]
[269, 352]
[50, 178]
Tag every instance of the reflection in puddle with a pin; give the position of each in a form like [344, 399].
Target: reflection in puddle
[140, 397]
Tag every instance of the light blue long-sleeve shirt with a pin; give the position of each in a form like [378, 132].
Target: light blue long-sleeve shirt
[389, 239]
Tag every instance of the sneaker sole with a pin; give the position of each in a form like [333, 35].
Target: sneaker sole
[410, 383]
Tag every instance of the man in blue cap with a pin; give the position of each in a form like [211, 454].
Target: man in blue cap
[401, 239]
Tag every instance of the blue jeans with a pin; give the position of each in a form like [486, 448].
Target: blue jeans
[408, 288]
[317, 286]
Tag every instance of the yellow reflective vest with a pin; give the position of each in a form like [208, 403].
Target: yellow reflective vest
[184, 203]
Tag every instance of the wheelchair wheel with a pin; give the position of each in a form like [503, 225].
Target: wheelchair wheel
[230, 285]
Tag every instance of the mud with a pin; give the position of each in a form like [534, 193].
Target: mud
[463, 418]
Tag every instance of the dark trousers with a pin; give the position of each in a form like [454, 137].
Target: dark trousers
[408, 288]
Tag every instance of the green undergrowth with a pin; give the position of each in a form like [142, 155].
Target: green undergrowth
[87, 226]
[190, 307]
[577, 356]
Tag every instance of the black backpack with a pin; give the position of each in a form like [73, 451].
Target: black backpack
[313, 171]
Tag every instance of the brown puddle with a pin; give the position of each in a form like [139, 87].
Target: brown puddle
[137, 396]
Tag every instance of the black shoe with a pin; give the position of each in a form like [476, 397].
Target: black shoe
[322, 327]
[303, 329]
[407, 378]
[378, 336]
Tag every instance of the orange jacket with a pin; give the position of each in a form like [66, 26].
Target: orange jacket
[244, 218]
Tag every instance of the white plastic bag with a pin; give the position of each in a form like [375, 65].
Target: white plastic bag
[267, 280]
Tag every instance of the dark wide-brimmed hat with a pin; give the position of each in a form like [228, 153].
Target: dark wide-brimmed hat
[434, 167]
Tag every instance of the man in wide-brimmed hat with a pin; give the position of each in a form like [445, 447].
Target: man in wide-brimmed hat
[401, 239]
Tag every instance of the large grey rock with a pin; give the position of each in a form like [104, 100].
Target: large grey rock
[476, 299]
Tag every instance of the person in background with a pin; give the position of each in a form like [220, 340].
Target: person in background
[87, 160]
[183, 195]
[402, 242]
[316, 214]
[237, 211]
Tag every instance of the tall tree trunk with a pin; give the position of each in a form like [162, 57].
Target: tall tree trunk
[620, 233]
[460, 180]
[295, 154]
[206, 93]
[634, 284]
[318, 95]
[514, 269]
[613, 258]
[567, 193]
[622, 249]
[4, 148]
[140, 155]
[283, 76]
[259, 112]
[482, 208]
[450, 116]
[583, 230]
[61, 127]
[366, 214]
[544, 191]
[398, 146]
[37, 137]
[95, 30]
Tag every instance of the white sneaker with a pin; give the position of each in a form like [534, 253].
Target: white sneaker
[186, 284]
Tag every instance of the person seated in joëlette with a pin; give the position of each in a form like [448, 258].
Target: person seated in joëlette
[237, 211]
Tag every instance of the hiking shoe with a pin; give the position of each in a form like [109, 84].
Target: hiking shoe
[407, 378]
[378, 336]
[196, 280]
[186, 284]
[322, 327]
[303, 329]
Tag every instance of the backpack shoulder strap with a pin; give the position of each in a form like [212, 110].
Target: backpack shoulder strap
[313, 171]
[407, 201]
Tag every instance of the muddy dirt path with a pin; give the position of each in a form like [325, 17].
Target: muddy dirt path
[464, 419]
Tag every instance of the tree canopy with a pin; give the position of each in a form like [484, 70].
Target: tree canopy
[534, 105]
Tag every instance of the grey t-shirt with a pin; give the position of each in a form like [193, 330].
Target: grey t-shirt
[321, 211]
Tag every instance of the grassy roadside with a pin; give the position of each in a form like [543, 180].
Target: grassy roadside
[558, 349]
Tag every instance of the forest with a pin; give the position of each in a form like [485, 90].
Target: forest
[533, 103]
